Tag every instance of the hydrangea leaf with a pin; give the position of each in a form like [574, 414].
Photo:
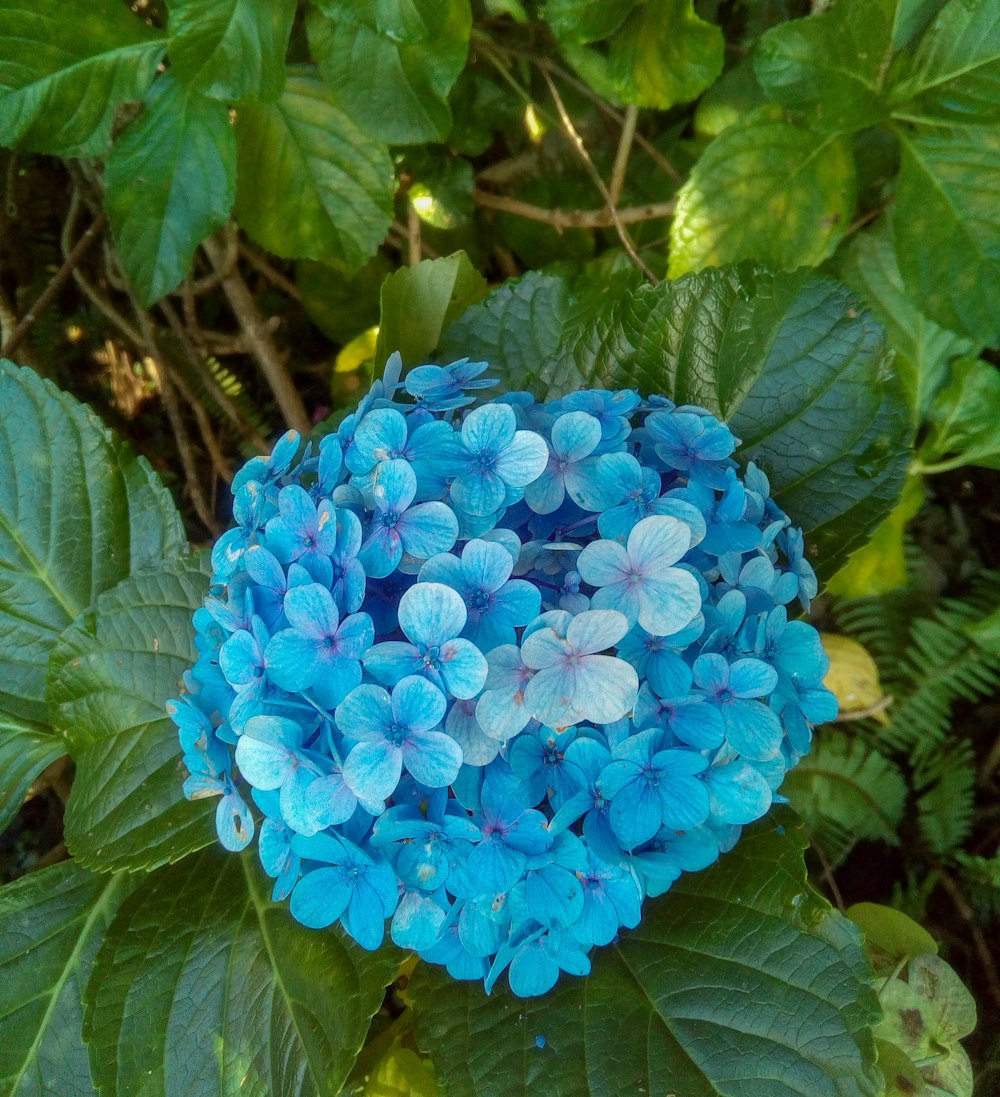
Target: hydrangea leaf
[953, 75]
[846, 791]
[735, 964]
[111, 674]
[792, 361]
[419, 302]
[203, 983]
[392, 64]
[832, 65]
[303, 164]
[923, 348]
[51, 925]
[171, 181]
[230, 49]
[25, 750]
[578, 22]
[947, 235]
[63, 73]
[340, 306]
[765, 189]
[963, 422]
[78, 513]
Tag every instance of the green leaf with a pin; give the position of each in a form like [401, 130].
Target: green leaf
[392, 64]
[311, 184]
[111, 674]
[954, 74]
[662, 54]
[171, 180]
[832, 65]
[764, 189]
[846, 792]
[964, 420]
[947, 232]
[791, 360]
[78, 513]
[204, 986]
[890, 932]
[665, 54]
[341, 306]
[923, 348]
[51, 924]
[736, 966]
[63, 72]
[25, 750]
[577, 22]
[231, 49]
[419, 302]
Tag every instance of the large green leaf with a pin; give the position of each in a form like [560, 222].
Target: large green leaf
[392, 64]
[419, 302]
[311, 184]
[231, 49]
[792, 360]
[65, 68]
[578, 22]
[25, 750]
[51, 924]
[111, 673]
[947, 231]
[954, 74]
[764, 189]
[740, 982]
[204, 986]
[923, 348]
[78, 513]
[832, 64]
[965, 420]
[171, 181]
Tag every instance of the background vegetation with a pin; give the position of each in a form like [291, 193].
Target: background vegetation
[218, 217]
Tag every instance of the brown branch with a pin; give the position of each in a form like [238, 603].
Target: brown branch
[561, 220]
[27, 321]
[577, 142]
[622, 155]
[414, 251]
[261, 345]
[260, 264]
[968, 915]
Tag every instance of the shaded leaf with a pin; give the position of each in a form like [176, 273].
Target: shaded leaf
[63, 74]
[853, 675]
[311, 185]
[418, 302]
[964, 424]
[205, 986]
[111, 674]
[954, 74]
[738, 965]
[890, 933]
[392, 64]
[231, 49]
[947, 233]
[51, 924]
[832, 64]
[764, 189]
[923, 348]
[78, 513]
[25, 750]
[342, 306]
[171, 181]
[578, 22]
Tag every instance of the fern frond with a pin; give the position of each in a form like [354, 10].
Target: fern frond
[945, 781]
[845, 791]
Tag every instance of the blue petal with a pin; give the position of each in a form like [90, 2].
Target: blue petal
[372, 770]
[753, 729]
[738, 793]
[430, 613]
[488, 429]
[427, 529]
[417, 704]
[575, 435]
[523, 459]
[463, 668]
[433, 758]
[312, 611]
[366, 713]
[320, 898]
[234, 822]
[292, 660]
[636, 813]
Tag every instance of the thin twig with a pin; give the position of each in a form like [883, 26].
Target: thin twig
[968, 915]
[577, 142]
[622, 155]
[864, 713]
[27, 321]
[165, 385]
[222, 467]
[399, 237]
[226, 405]
[414, 252]
[831, 883]
[561, 220]
[261, 264]
[262, 346]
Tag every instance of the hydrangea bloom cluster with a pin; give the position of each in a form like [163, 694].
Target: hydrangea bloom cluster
[495, 674]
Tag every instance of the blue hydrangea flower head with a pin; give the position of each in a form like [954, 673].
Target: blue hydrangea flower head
[486, 674]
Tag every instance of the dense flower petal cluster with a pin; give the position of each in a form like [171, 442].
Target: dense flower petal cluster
[497, 673]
